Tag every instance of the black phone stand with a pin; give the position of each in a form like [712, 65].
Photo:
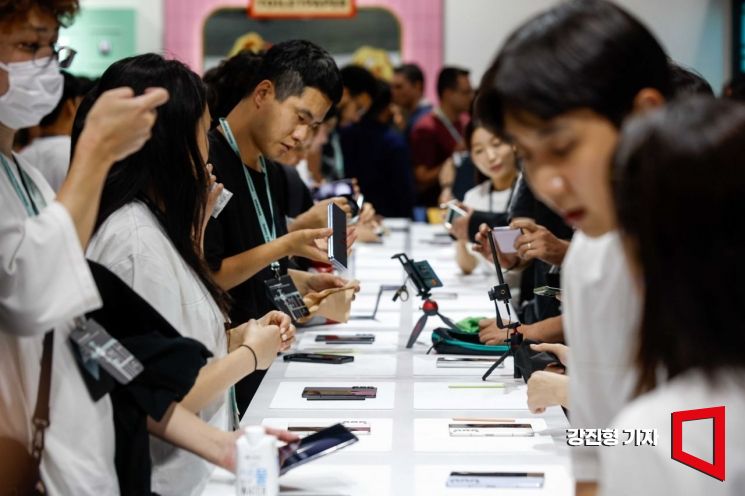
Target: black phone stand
[423, 287]
[501, 292]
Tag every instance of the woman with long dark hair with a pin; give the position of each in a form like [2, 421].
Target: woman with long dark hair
[689, 354]
[154, 207]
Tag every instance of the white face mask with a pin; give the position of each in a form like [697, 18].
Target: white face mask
[33, 92]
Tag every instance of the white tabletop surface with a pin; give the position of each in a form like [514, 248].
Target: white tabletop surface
[393, 462]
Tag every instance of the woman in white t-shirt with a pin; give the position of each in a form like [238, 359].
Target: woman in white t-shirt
[690, 349]
[154, 207]
[496, 175]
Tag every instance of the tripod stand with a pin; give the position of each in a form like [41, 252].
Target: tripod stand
[501, 292]
[424, 279]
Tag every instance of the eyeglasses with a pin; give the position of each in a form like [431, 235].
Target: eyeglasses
[41, 56]
[62, 54]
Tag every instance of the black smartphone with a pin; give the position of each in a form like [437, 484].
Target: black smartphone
[337, 246]
[318, 358]
[316, 445]
[335, 339]
[339, 393]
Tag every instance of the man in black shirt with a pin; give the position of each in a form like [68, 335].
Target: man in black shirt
[295, 85]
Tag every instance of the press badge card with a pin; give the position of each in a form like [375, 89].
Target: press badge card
[286, 297]
[98, 348]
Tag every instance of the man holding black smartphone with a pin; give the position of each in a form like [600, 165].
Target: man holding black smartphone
[294, 87]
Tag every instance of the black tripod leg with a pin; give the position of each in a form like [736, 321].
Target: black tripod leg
[417, 330]
[496, 364]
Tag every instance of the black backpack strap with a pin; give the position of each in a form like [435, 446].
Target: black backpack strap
[41, 413]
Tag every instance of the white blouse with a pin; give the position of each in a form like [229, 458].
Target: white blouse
[132, 244]
[601, 311]
[44, 283]
[650, 470]
[483, 198]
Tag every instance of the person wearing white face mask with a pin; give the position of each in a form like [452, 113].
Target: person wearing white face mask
[44, 278]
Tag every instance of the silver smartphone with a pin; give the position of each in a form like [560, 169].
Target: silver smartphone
[506, 429]
[501, 480]
[465, 363]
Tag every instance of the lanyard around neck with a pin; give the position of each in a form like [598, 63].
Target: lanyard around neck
[509, 198]
[448, 125]
[269, 234]
[28, 193]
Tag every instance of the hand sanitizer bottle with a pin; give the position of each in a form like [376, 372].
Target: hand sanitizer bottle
[257, 463]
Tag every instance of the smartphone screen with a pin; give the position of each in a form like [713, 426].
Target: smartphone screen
[316, 445]
[337, 251]
[505, 238]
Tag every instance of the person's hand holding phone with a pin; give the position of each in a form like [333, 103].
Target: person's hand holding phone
[459, 224]
[538, 242]
[307, 243]
[482, 246]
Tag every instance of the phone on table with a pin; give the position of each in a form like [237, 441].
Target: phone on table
[316, 445]
[547, 291]
[336, 339]
[505, 238]
[318, 358]
[465, 363]
[491, 430]
[454, 211]
[358, 427]
[501, 480]
[339, 393]
[337, 246]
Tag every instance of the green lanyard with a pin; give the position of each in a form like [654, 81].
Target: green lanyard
[269, 235]
[29, 194]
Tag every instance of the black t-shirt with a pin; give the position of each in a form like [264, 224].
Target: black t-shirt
[237, 227]
[298, 197]
[525, 204]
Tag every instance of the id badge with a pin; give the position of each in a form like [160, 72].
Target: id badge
[286, 297]
[98, 348]
[222, 200]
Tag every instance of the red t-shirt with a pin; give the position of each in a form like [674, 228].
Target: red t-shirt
[431, 145]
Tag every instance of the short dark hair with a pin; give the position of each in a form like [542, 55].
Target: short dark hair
[62, 10]
[579, 54]
[412, 72]
[447, 79]
[170, 164]
[381, 99]
[227, 83]
[295, 65]
[358, 80]
[687, 82]
[691, 318]
[74, 87]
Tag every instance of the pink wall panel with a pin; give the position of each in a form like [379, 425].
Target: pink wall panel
[421, 30]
